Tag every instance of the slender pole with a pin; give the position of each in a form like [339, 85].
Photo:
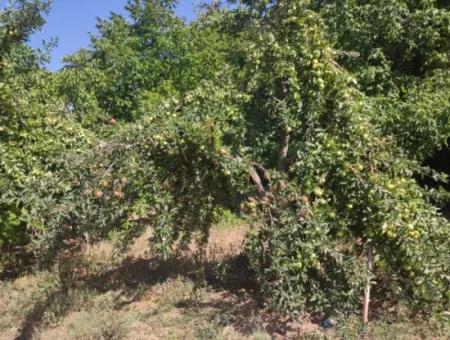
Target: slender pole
[367, 290]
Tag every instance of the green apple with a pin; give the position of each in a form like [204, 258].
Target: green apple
[252, 205]
[223, 151]
[391, 235]
[318, 191]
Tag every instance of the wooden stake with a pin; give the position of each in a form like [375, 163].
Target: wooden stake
[367, 290]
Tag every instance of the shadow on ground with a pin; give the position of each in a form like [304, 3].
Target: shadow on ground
[230, 278]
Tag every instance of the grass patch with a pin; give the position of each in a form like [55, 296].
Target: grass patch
[98, 324]
[139, 298]
[174, 292]
[228, 221]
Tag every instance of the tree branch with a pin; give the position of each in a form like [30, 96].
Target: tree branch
[257, 181]
[262, 171]
[283, 148]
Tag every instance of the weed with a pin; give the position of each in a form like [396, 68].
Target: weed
[206, 332]
[104, 325]
[261, 335]
[174, 292]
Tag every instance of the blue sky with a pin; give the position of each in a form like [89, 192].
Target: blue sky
[71, 20]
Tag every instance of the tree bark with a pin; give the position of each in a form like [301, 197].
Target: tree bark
[283, 148]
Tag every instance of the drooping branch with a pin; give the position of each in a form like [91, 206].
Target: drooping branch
[283, 148]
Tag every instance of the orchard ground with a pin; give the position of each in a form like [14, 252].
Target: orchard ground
[92, 296]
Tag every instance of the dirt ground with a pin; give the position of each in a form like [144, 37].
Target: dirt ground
[207, 296]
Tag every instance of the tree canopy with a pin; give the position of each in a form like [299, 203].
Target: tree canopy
[313, 118]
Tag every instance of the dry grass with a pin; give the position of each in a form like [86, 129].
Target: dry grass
[211, 296]
[87, 296]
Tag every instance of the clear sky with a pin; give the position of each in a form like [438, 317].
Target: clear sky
[71, 20]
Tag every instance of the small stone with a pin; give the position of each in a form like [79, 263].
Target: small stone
[328, 323]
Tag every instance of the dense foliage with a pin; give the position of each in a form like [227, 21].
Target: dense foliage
[35, 135]
[313, 117]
